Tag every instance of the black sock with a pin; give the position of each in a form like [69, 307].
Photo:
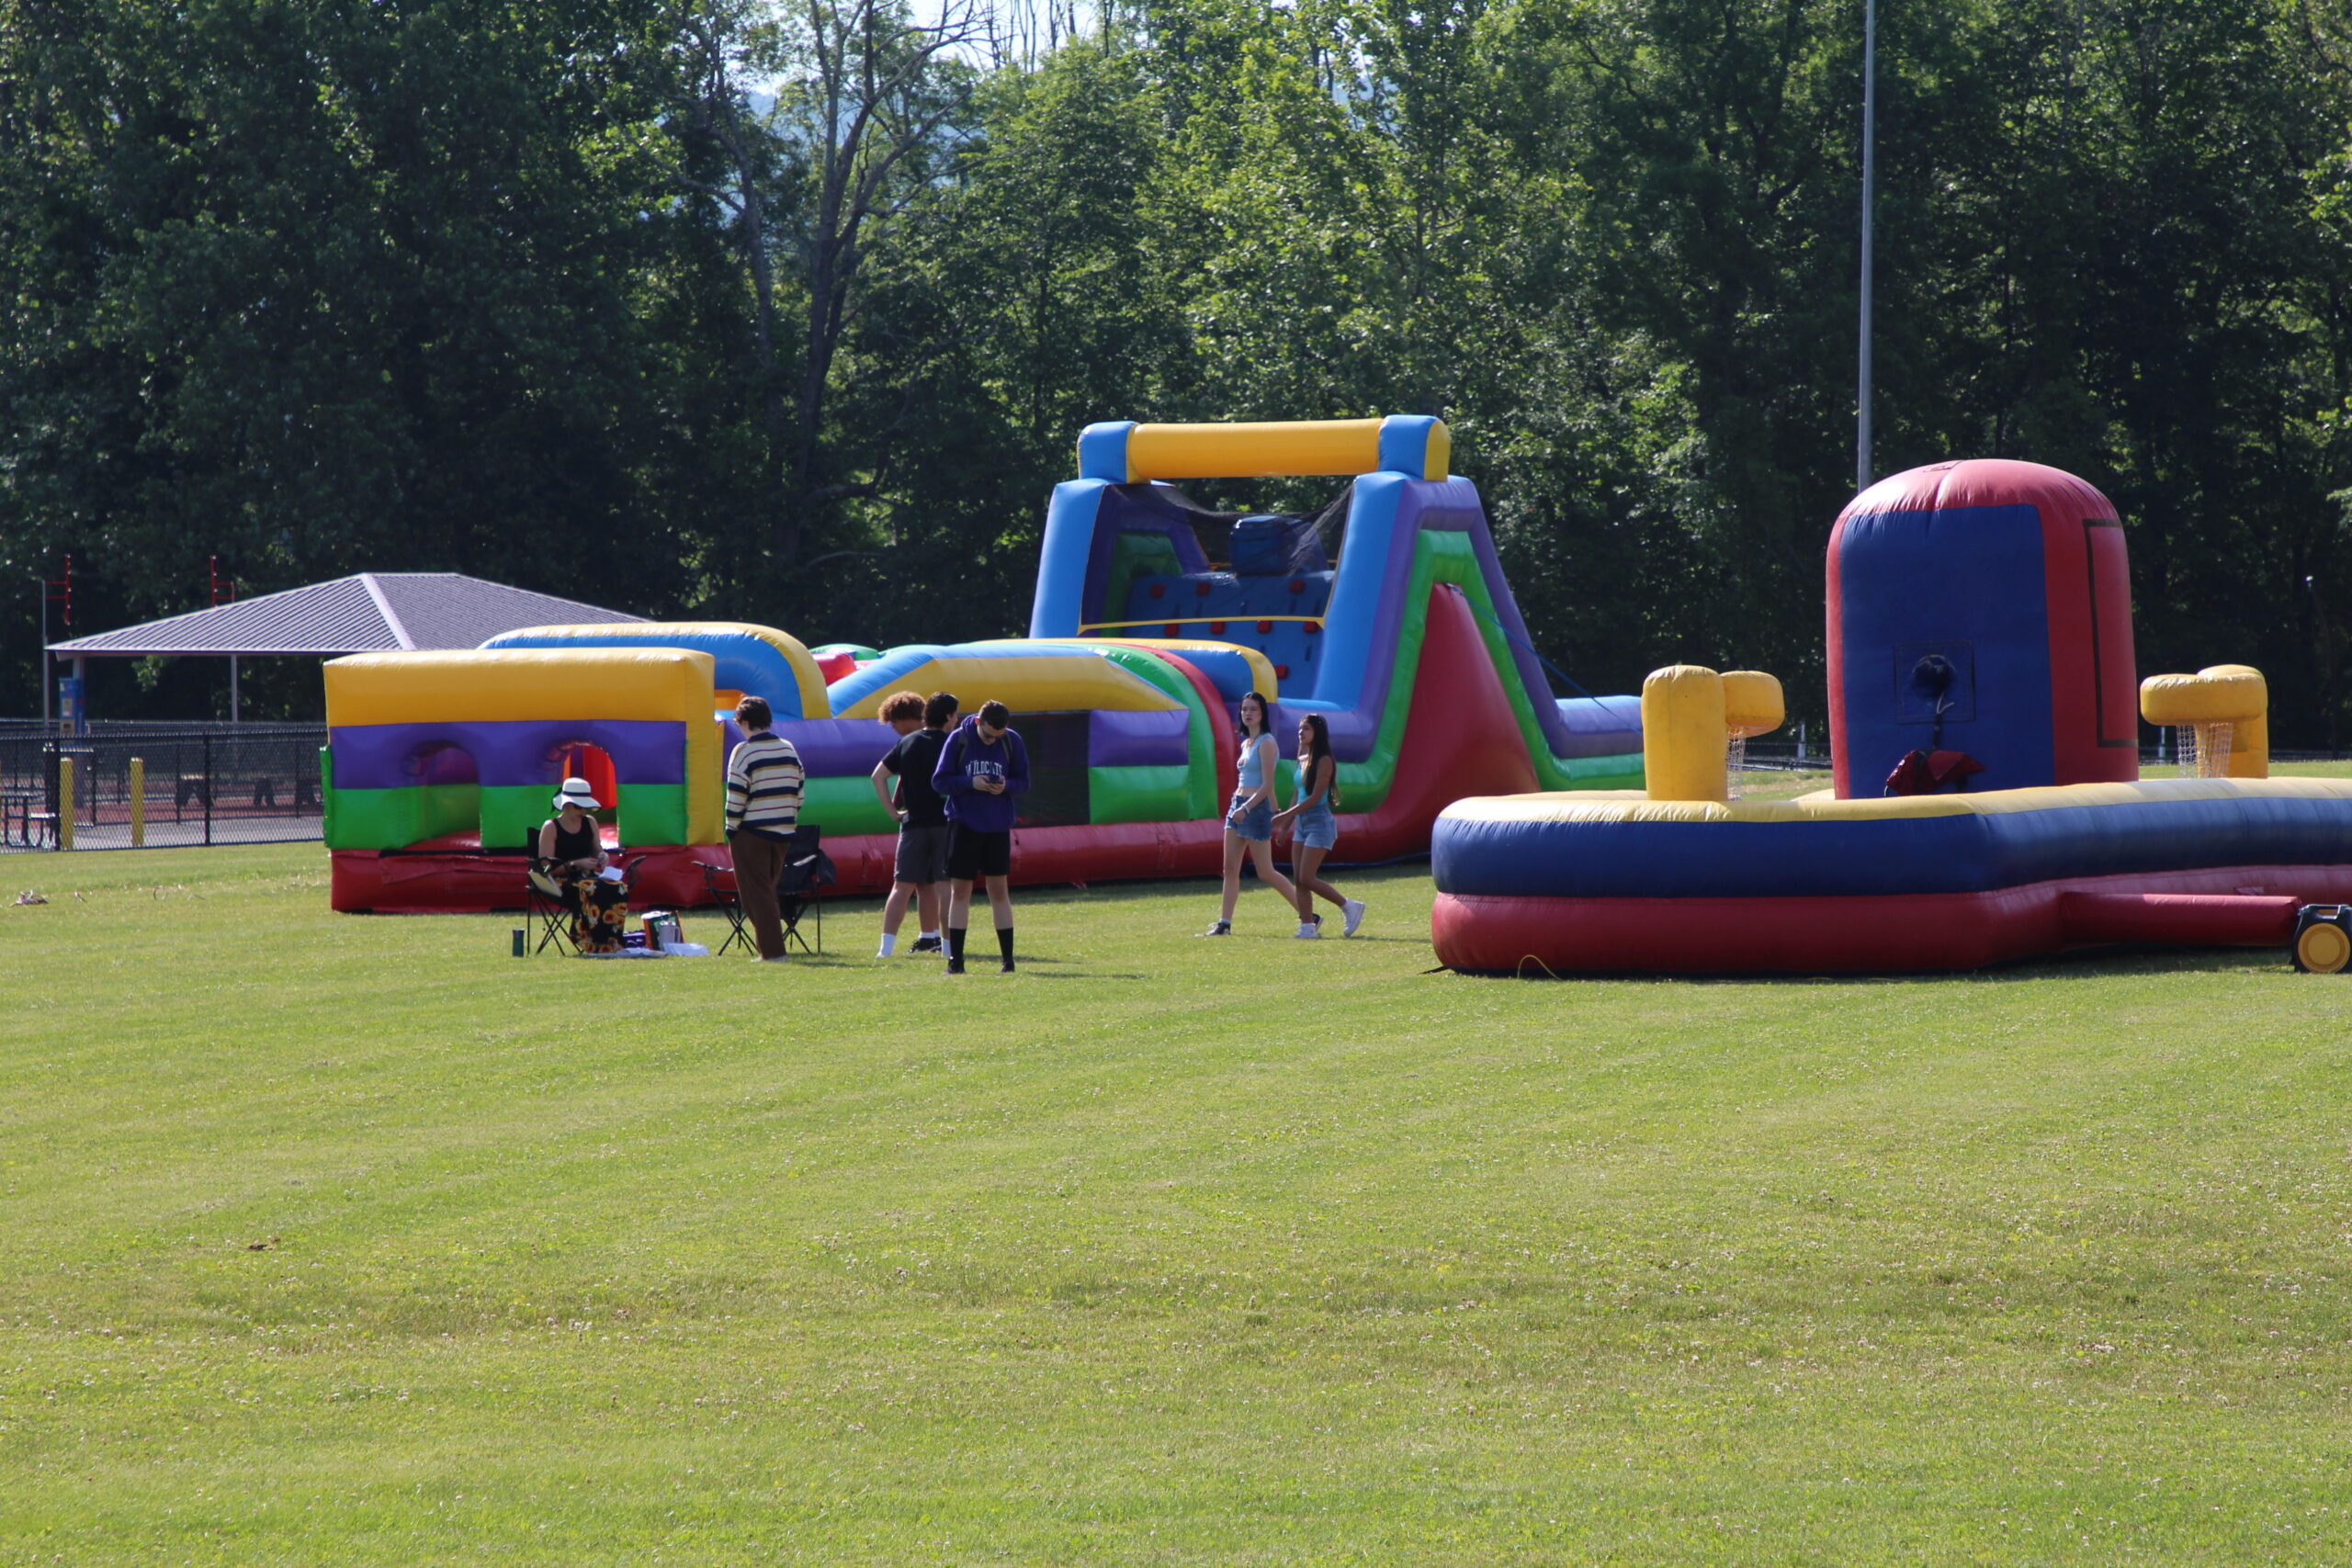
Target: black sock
[1004, 943]
[956, 945]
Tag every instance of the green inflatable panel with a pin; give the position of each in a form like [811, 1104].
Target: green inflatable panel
[1145, 793]
[841, 805]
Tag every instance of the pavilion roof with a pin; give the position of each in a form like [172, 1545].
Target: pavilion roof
[368, 612]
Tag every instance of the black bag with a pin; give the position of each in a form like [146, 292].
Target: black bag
[807, 869]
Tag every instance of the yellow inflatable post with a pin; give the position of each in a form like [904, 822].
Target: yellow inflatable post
[1684, 736]
[2223, 713]
[1752, 705]
[2249, 736]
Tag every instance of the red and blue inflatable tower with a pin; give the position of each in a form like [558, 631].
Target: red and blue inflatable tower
[1984, 607]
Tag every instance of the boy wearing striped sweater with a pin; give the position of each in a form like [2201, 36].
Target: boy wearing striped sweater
[764, 778]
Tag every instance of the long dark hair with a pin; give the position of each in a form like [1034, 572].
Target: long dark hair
[1318, 746]
[1265, 717]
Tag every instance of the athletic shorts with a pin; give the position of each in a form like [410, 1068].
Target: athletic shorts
[972, 854]
[1257, 824]
[922, 853]
[1314, 827]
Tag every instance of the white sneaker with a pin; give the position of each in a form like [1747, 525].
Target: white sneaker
[1309, 932]
[1353, 909]
[1219, 928]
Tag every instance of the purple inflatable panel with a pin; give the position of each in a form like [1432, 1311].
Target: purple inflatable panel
[394, 756]
[1137, 739]
[838, 747]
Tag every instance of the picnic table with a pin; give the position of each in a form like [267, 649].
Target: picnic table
[25, 817]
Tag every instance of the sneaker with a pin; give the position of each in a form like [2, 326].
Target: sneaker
[924, 944]
[954, 966]
[1219, 928]
[779, 958]
[1309, 932]
[1006, 967]
[1353, 909]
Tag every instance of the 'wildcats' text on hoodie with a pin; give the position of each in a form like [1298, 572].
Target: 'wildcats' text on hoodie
[966, 757]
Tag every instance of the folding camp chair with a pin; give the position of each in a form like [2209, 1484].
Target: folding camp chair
[719, 881]
[545, 902]
[808, 872]
[801, 890]
[543, 897]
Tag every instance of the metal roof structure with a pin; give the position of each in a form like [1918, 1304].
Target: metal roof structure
[371, 611]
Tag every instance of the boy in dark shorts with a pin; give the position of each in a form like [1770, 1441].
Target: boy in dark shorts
[923, 815]
[981, 770]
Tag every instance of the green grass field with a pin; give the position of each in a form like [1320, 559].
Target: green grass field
[346, 1240]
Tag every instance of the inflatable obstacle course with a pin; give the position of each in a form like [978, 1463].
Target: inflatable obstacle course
[1387, 612]
[1987, 803]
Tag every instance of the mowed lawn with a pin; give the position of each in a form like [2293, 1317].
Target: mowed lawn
[347, 1240]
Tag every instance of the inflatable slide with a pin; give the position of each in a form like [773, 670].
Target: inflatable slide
[1386, 612]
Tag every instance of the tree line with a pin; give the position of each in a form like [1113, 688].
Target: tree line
[791, 310]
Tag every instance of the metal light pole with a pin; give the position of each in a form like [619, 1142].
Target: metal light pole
[1870, 169]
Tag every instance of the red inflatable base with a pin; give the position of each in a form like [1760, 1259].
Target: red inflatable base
[450, 876]
[2240, 906]
[1461, 739]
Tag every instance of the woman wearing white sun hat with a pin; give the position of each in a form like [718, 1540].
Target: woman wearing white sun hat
[571, 855]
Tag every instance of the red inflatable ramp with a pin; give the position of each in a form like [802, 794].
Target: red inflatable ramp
[2228, 919]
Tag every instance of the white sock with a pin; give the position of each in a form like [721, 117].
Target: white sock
[931, 936]
[889, 941]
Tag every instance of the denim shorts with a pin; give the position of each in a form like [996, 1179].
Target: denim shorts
[1314, 827]
[1257, 824]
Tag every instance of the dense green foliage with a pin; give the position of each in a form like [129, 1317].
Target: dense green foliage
[693, 309]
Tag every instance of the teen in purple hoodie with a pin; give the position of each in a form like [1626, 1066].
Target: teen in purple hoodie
[982, 769]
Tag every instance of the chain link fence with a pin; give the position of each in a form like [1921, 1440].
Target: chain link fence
[253, 783]
[159, 786]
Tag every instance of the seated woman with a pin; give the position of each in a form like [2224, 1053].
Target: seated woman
[571, 856]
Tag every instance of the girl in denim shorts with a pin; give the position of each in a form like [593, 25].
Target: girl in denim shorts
[1314, 829]
[1250, 820]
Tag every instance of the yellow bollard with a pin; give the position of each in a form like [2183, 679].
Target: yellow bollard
[138, 804]
[1683, 734]
[65, 802]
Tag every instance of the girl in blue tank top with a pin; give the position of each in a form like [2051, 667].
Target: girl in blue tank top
[1250, 820]
[1315, 828]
